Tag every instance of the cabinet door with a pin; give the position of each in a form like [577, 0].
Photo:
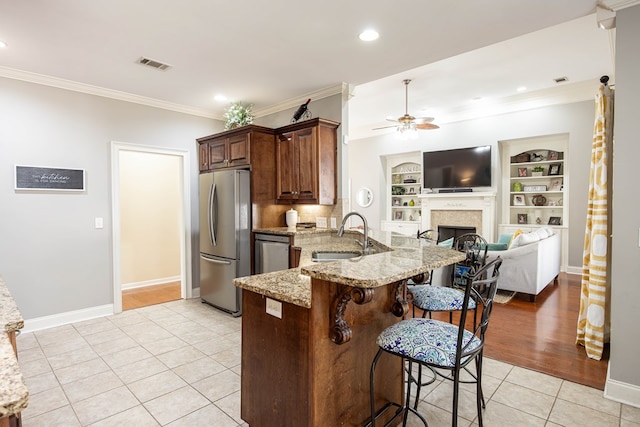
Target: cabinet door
[218, 154]
[306, 162]
[238, 150]
[287, 175]
[203, 156]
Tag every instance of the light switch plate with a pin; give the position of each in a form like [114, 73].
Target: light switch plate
[274, 308]
[321, 222]
[99, 222]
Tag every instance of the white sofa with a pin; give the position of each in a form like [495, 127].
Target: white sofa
[531, 265]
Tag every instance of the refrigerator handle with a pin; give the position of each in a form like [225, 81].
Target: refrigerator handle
[215, 261]
[213, 214]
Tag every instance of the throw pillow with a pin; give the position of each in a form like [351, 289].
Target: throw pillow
[524, 239]
[505, 238]
[514, 237]
[447, 243]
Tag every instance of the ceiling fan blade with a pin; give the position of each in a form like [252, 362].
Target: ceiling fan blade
[385, 127]
[426, 126]
[424, 119]
[392, 120]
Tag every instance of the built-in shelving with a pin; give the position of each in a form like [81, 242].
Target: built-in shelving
[528, 201]
[404, 185]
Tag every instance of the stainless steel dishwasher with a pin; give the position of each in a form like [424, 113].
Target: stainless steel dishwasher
[271, 253]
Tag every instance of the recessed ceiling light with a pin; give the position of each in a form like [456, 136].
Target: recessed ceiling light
[3, 44]
[369, 35]
[221, 98]
[521, 89]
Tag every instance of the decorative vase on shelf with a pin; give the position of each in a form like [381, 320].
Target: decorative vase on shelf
[517, 186]
[412, 203]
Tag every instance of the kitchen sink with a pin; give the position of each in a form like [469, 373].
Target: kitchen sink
[333, 256]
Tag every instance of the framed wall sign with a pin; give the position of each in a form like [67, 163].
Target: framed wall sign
[46, 178]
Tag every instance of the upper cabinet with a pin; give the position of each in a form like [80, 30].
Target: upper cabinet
[306, 155]
[230, 149]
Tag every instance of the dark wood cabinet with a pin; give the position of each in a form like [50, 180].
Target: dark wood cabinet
[306, 155]
[226, 150]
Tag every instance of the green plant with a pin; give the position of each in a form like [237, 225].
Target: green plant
[537, 169]
[238, 114]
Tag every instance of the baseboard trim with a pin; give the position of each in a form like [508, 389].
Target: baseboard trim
[59, 319]
[626, 393]
[574, 270]
[152, 282]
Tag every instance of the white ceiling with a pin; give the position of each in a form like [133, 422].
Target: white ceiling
[277, 53]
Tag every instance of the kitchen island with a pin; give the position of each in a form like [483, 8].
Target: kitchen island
[13, 391]
[308, 334]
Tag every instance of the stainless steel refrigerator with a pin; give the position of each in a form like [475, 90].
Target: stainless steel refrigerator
[225, 229]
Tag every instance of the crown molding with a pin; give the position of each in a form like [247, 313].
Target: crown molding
[620, 4]
[295, 102]
[103, 92]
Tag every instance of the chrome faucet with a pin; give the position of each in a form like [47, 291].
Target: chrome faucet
[366, 244]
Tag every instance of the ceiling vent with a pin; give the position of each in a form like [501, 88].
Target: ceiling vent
[561, 79]
[153, 63]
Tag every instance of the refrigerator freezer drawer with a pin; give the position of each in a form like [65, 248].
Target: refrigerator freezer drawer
[216, 287]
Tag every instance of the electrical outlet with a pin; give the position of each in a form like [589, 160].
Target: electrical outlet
[274, 308]
[334, 222]
[99, 223]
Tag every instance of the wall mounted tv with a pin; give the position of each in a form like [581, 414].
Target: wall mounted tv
[457, 170]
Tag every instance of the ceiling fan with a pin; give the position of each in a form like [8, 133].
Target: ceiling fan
[408, 122]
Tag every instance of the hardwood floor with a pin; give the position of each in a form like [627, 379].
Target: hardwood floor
[541, 336]
[149, 295]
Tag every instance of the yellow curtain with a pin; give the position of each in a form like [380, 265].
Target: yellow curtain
[593, 319]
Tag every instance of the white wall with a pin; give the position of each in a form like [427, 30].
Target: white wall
[51, 256]
[366, 168]
[624, 373]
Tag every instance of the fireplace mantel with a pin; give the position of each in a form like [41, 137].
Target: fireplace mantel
[471, 201]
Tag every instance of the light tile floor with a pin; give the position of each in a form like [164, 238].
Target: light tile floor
[178, 364]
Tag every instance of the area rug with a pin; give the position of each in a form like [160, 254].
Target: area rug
[503, 297]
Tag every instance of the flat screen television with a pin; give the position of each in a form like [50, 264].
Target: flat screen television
[461, 168]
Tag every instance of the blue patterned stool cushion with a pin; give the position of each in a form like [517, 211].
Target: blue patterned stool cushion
[425, 340]
[439, 298]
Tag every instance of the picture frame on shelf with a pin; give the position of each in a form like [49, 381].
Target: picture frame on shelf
[555, 220]
[412, 190]
[519, 200]
[522, 218]
[555, 184]
[396, 201]
[398, 215]
[522, 172]
[554, 169]
[553, 155]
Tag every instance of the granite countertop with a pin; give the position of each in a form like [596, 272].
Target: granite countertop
[397, 257]
[14, 396]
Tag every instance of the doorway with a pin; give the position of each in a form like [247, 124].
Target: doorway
[151, 212]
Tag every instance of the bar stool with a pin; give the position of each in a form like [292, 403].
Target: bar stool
[440, 346]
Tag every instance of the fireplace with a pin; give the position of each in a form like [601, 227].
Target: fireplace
[448, 231]
[473, 209]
